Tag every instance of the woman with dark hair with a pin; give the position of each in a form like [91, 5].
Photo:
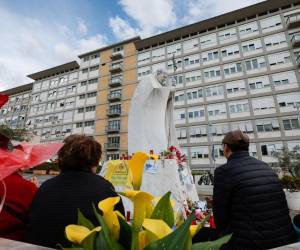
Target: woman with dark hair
[77, 187]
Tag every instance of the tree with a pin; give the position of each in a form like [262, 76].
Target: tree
[289, 161]
[16, 134]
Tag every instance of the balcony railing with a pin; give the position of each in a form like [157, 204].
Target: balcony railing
[298, 61]
[115, 68]
[295, 40]
[112, 146]
[114, 82]
[114, 97]
[113, 112]
[117, 55]
[293, 21]
[112, 129]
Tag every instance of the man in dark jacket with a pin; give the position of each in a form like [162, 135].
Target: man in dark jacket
[248, 200]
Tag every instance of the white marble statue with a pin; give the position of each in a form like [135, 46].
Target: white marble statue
[150, 122]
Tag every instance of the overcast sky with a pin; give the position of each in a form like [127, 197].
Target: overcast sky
[35, 34]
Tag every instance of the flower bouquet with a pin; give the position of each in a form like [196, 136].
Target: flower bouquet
[153, 227]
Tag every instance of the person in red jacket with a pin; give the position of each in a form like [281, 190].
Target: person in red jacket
[19, 195]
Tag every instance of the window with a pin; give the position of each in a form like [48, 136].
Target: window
[208, 40]
[263, 103]
[144, 71]
[89, 123]
[80, 110]
[171, 66]
[84, 71]
[245, 126]
[280, 59]
[158, 54]
[193, 76]
[216, 110]
[270, 149]
[251, 45]
[226, 34]
[181, 133]
[92, 94]
[271, 23]
[238, 107]
[289, 100]
[232, 68]
[95, 56]
[288, 77]
[195, 114]
[174, 49]
[179, 97]
[235, 87]
[212, 73]
[255, 63]
[192, 60]
[219, 129]
[92, 81]
[248, 28]
[114, 125]
[275, 41]
[79, 125]
[267, 125]
[214, 91]
[208, 56]
[94, 68]
[90, 108]
[87, 58]
[144, 57]
[199, 153]
[199, 131]
[194, 94]
[230, 51]
[291, 124]
[84, 83]
[82, 97]
[190, 45]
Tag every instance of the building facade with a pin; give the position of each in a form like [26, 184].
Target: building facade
[63, 101]
[14, 113]
[239, 70]
[117, 82]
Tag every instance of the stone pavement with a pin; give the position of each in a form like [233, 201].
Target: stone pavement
[17, 245]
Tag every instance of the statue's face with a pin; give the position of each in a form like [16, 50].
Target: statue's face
[161, 77]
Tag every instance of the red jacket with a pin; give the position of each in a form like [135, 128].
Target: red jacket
[19, 195]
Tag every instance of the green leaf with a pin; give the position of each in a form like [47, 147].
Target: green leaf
[105, 238]
[175, 240]
[83, 221]
[211, 245]
[164, 211]
[125, 233]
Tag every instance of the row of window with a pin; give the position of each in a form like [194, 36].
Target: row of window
[278, 60]
[262, 126]
[211, 40]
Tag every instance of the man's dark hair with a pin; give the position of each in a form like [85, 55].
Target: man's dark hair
[236, 140]
[79, 153]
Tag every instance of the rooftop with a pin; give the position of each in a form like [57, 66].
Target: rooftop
[19, 89]
[211, 23]
[136, 38]
[55, 70]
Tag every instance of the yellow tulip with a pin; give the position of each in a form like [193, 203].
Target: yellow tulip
[142, 206]
[157, 229]
[136, 165]
[110, 216]
[153, 156]
[77, 234]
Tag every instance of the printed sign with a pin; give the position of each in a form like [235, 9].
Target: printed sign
[118, 173]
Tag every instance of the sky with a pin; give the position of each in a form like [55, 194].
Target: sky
[36, 35]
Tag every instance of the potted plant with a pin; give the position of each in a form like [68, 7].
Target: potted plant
[289, 163]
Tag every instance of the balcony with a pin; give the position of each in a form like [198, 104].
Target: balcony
[115, 82]
[113, 112]
[293, 21]
[113, 97]
[116, 68]
[111, 146]
[295, 40]
[117, 55]
[112, 129]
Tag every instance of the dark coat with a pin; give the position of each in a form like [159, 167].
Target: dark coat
[56, 203]
[249, 202]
